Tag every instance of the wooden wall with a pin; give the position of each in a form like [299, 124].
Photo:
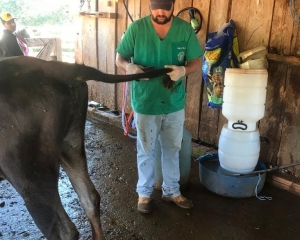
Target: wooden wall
[258, 22]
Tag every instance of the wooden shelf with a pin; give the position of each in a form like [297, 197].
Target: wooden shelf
[283, 183]
[289, 60]
[99, 14]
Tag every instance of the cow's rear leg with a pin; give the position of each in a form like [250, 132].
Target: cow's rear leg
[39, 190]
[75, 165]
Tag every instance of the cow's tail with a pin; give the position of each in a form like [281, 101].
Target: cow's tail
[89, 73]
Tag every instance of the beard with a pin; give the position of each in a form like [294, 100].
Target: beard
[164, 20]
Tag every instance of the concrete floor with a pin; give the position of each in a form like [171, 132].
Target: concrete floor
[112, 166]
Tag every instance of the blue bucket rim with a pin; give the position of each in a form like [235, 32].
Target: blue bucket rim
[260, 165]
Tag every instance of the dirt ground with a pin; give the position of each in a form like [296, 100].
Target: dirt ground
[112, 167]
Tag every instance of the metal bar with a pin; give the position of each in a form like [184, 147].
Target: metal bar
[265, 170]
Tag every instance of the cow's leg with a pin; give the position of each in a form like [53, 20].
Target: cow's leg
[38, 185]
[75, 165]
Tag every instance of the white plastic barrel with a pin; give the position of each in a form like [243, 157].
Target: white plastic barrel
[243, 117]
[238, 150]
[185, 156]
[244, 97]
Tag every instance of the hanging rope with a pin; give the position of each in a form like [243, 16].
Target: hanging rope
[127, 122]
[82, 3]
[196, 23]
[294, 14]
[126, 8]
[262, 198]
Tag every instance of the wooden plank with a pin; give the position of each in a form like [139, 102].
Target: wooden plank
[209, 121]
[289, 60]
[89, 43]
[47, 50]
[58, 49]
[180, 5]
[281, 34]
[78, 48]
[37, 42]
[51, 46]
[220, 14]
[134, 11]
[100, 14]
[194, 84]
[104, 93]
[270, 126]
[137, 9]
[253, 21]
[121, 28]
[145, 8]
[295, 36]
[89, 47]
[289, 151]
[284, 184]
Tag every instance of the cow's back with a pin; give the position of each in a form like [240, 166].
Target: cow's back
[36, 113]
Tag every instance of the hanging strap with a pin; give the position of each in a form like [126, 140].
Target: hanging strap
[23, 46]
[262, 198]
[127, 122]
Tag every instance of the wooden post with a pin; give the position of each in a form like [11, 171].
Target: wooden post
[51, 47]
[58, 49]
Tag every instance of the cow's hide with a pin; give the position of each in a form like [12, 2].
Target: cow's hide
[43, 107]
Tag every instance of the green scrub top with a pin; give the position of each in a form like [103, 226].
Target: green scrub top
[142, 43]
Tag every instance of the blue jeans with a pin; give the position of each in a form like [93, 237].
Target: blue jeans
[168, 128]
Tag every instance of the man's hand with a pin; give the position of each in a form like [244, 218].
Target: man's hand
[177, 73]
[134, 69]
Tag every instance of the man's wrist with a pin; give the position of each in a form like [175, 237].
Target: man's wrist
[127, 66]
[184, 71]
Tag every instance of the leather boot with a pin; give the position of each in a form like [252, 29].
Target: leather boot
[180, 201]
[144, 205]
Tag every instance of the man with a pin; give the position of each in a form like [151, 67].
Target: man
[10, 44]
[159, 40]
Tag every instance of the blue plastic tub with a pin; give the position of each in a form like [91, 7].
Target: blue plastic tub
[221, 182]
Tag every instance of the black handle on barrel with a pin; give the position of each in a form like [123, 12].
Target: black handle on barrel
[240, 124]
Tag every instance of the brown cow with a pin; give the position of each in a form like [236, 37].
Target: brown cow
[43, 108]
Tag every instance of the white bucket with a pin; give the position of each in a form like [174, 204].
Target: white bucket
[238, 150]
[244, 98]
